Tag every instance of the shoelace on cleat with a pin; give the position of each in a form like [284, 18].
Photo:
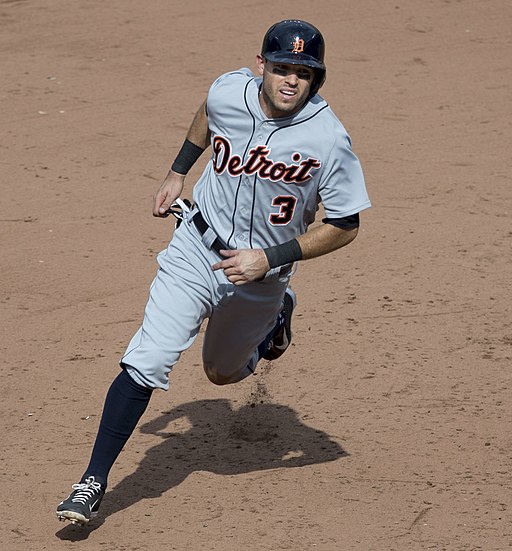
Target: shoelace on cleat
[85, 490]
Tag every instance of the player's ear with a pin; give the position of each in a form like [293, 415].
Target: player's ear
[260, 63]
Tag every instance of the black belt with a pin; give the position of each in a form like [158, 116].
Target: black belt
[202, 227]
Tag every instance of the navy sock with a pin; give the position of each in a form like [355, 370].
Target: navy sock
[125, 403]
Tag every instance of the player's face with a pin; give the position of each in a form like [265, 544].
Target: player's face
[285, 87]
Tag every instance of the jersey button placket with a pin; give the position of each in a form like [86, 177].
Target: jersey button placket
[262, 132]
[243, 221]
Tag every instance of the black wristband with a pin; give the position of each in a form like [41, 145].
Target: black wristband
[286, 253]
[188, 155]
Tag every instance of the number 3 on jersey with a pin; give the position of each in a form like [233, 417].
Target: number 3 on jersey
[286, 204]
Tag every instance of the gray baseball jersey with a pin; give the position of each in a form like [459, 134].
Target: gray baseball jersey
[262, 187]
[266, 177]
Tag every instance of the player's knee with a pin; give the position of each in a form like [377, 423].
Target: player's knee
[218, 380]
[218, 377]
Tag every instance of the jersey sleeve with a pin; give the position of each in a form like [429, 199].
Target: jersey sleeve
[342, 189]
[220, 94]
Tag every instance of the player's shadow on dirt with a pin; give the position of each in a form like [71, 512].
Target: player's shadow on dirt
[218, 439]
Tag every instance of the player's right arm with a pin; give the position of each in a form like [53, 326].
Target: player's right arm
[197, 140]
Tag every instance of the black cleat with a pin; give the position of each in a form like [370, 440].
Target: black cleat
[83, 502]
[283, 337]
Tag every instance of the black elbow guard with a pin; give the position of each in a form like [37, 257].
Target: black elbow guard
[346, 223]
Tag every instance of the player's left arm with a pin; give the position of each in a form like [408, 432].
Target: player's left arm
[325, 239]
[244, 265]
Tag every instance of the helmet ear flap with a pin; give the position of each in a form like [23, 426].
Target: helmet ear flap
[320, 76]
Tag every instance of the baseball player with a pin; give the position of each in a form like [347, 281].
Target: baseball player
[277, 151]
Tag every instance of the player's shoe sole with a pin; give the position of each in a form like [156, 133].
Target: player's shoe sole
[74, 518]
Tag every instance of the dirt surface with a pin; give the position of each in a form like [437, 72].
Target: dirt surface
[386, 426]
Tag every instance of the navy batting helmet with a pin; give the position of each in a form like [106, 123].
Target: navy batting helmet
[297, 42]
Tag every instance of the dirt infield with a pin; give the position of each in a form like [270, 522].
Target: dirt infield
[386, 426]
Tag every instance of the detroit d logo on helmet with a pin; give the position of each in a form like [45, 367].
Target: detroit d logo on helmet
[298, 45]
